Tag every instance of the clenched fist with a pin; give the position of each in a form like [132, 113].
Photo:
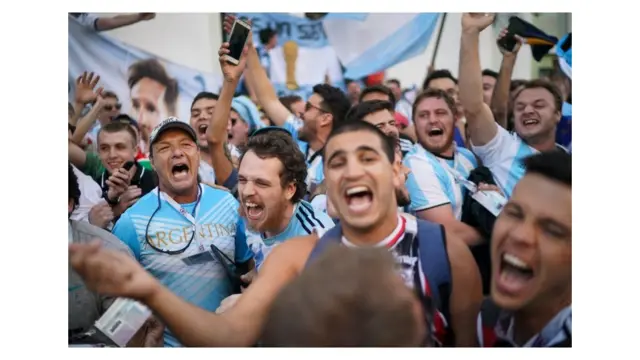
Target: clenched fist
[101, 215]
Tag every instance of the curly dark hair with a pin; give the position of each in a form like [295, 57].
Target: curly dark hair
[280, 144]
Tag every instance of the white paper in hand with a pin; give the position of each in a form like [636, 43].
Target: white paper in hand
[123, 320]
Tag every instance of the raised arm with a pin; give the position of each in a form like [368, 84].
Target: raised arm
[500, 99]
[85, 124]
[84, 94]
[260, 83]
[480, 123]
[118, 21]
[217, 130]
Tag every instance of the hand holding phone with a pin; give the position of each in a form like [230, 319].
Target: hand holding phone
[120, 180]
[240, 32]
[508, 42]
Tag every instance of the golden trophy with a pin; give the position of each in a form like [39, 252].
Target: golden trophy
[290, 49]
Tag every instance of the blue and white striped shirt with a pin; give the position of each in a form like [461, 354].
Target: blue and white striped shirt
[504, 156]
[432, 181]
[218, 222]
[305, 220]
[315, 167]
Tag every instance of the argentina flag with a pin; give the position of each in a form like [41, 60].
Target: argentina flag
[368, 43]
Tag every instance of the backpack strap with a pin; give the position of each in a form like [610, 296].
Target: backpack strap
[332, 236]
[435, 263]
[487, 320]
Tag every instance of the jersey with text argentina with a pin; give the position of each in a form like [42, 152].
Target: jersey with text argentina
[217, 222]
[504, 156]
[304, 221]
[433, 180]
[315, 170]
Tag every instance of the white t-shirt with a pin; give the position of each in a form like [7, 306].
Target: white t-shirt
[206, 172]
[90, 195]
[504, 156]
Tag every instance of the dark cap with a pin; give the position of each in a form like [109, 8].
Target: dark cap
[171, 123]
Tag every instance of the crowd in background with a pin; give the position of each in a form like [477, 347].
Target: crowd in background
[270, 220]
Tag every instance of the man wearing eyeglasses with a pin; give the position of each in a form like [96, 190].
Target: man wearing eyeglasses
[183, 231]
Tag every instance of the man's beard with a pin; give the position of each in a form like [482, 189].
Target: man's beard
[403, 199]
[303, 136]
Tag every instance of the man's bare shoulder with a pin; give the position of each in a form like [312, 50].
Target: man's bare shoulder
[295, 251]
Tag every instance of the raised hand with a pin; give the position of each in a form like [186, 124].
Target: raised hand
[85, 84]
[519, 42]
[112, 273]
[228, 25]
[119, 182]
[230, 72]
[477, 21]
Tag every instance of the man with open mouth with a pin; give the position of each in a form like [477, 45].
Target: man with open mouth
[202, 109]
[537, 112]
[439, 167]
[270, 178]
[271, 188]
[180, 229]
[531, 254]
[360, 179]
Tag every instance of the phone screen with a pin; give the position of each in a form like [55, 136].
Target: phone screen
[237, 40]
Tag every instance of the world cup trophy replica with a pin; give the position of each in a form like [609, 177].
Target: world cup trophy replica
[290, 49]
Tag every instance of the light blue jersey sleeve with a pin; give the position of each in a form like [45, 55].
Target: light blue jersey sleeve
[126, 232]
[292, 125]
[243, 253]
[423, 184]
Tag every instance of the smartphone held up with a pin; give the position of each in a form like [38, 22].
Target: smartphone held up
[239, 34]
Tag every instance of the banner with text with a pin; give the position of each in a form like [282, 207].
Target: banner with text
[149, 88]
[303, 56]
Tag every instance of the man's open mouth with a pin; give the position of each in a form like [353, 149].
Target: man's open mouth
[202, 129]
[359, 198]
[253, 210]
[180, 171]
[514, 273]
[435, 131]
[530, 122]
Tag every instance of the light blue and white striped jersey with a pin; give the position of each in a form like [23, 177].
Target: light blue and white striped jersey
[432, 181]
[315, 167]
[304, 221]
[504, 156]
[218, 222]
